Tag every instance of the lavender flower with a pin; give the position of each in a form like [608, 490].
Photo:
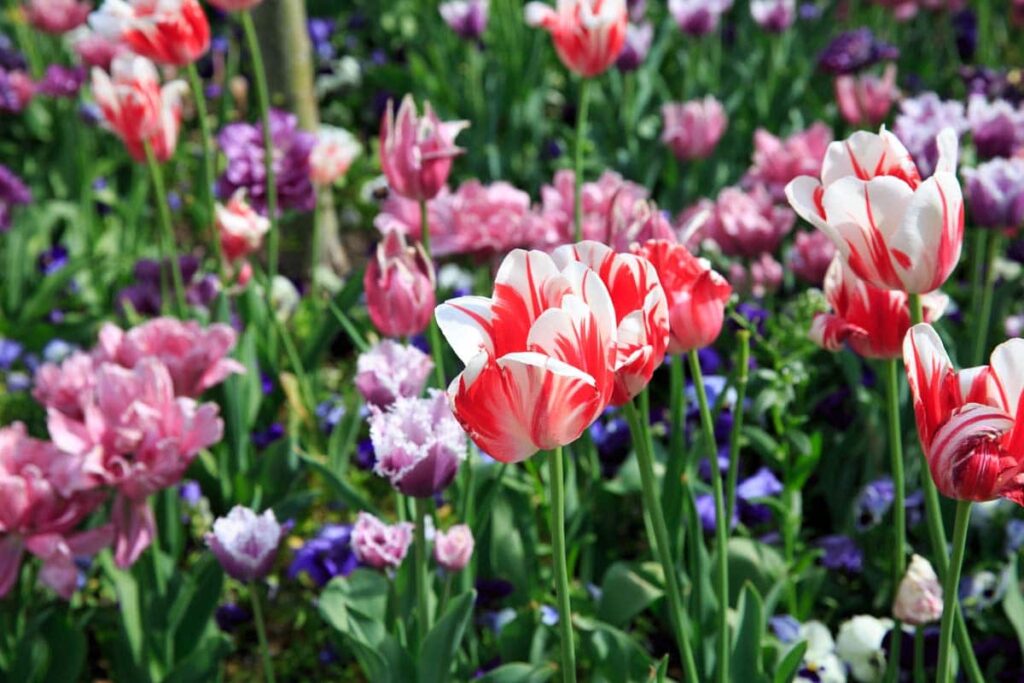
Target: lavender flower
[13, 192]
[245, 543]
[636, 47]
[320, 32]
[995, 193]
[997, 127]
[242, 144]
[380, 545]
[468, 18]
[419, 444]
[873, 503]
[10, 58]
[841, 553]
[325, 556]
[853, 51]
[389, 371]
[264, 437]
[62, 81]
[920, 120]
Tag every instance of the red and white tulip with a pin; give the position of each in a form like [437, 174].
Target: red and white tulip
[170, 32]
[333, 154]
[969, 422]
[588, 34]
[893, 229]
[539, 355]
[641, 312]
[872, 321]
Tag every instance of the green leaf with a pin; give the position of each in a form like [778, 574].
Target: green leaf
[1013, 602]
[202, 663]
[199, 597]
[746, 654]
[758, 563]
[442, 643]
[518, 673]
[624, 594]
[66, 649]
[617, 657]
[341, 488]
[357, 607]
[786, 671]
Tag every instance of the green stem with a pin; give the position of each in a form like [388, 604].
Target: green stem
[167, 229]
[721, 530]
[422, 569]
[960, 527]
[558, 559]
[433, 333]
[209, 155]
[743, 374]
[916, 311]
[581, 135]
[261, 633]
[660, 540]
[984, 313]
[892, 398]
[350, 329]
[672, 487]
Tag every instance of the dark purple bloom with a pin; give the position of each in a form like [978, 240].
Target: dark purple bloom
[873, 503]
[242, 144]
[62, 81]
[13, 192]
[637, 9]
[468, 18]
[995, 193]
[230, 616]
[263, 438]
[915, 507]
[366, 458]
[52, 260]
[636, 47]
[997, 126]
[852, 51]
[10, 58]
[841, 553]
[710, 360]
[491, 592]
[326, 555]
[757, 315]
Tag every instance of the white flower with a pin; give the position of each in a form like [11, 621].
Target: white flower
[859, 644]
[820, 658]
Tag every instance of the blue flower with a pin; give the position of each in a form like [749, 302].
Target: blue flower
[785, 627]
[189, 492]
[327, 555]
[1014, 535]
[262, 439]
[548, 615]
[841, 553]
[10, 351]
[873, 503]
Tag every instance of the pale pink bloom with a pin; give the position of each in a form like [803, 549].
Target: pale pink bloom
[195, 357]
[416, 152]
[748, 223]
[778, 161]
[380, 545]
[811, 255]
[399, 287]
[919, 598]
[773, 15]
[865, 99]
[453, 549]
[332, 155]
[632, 220]
[588, 34]
[760, 277]
[94, 49]
[389, 371]
[698, 17]
[692, 129]
[240, 226]
[57, 16]
[62, 386]
[558, 202]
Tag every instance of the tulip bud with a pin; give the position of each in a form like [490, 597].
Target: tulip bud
[399, 285]
[241, 227]
[454, 548]
[380, 545]
[919, 598]
[416, 152]
[692, 129]
[245, 543]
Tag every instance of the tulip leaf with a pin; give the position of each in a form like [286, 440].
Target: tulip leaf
[1013, 602]
[624, 594]
[746, 654]
[518, 673]
[199, 597]
[437, 654]
[790, 664]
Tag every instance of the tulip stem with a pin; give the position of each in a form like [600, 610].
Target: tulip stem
[433, 333]
[558, 561]
[949, 592]
[261, 632]
[984, 311]
[167, 229]
[672, 487]
[742, 376]
[899, 511]
[721, 529]
[422, 570]
[581, 135]
[196, 84]
[263, 98]
[659, 540]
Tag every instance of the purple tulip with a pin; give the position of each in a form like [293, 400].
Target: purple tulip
[636, 47]
[995, 193]
[245, 543]
[468, 18]
[853, 51]
[996, 127]
[389, 371]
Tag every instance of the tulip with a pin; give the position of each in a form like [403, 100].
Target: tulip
[170, 32]
[968, 421]
[136, 108]
[453, 549]
[416, 152]
[13, 193]
[692, 129]
[241, 227]
[696, 294]
[399, 285]
[919, 123]
[380, 545]
[773, 15]
[995, 193]
[600, 201]
[892, 229]
[468, 18]
[588, 34]
[778, 161]
[390, 371]
[636, 47]
[57, 16]
[418, 443]
[94, 49]
[748, 223]
[811, 256]
[641, 312]
[698, 17]
[332, 155]
[633, 220]
[865, 99]
[997, 128]
[539, 356]
[245, 543]
[919, 597]
[873, 321]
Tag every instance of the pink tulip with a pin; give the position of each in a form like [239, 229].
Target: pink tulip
[865, 99]
[599, 198]
[170, 32]
[761, 276]
[380, 545]
[633, 220]
[94, 49]
[453, 549]
[240, 226]
[390, 371]
[778, 161]
[399, 286]
[692, 129]
[57, 16]
[747, 223]
[61, 387]
[332, 155]
[416, 152]
[811, 256]
[588, 34]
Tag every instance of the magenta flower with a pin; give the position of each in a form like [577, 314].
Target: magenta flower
[57, 16]
[399, 287]
[762, 276]
[865, 99]
[13, 192]
[44, 495]
[774, 16]
[632, 220]
[380, 545]
[390, 371]
[557, 203]
[61, 387]
[416, 152]
[778, 161]
[748, 223]
[245, 543]
[692, 129]
[811, 256]
[419, 444]
[195, 357]
[453, 549]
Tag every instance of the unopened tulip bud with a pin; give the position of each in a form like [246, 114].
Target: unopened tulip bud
[919, 598]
